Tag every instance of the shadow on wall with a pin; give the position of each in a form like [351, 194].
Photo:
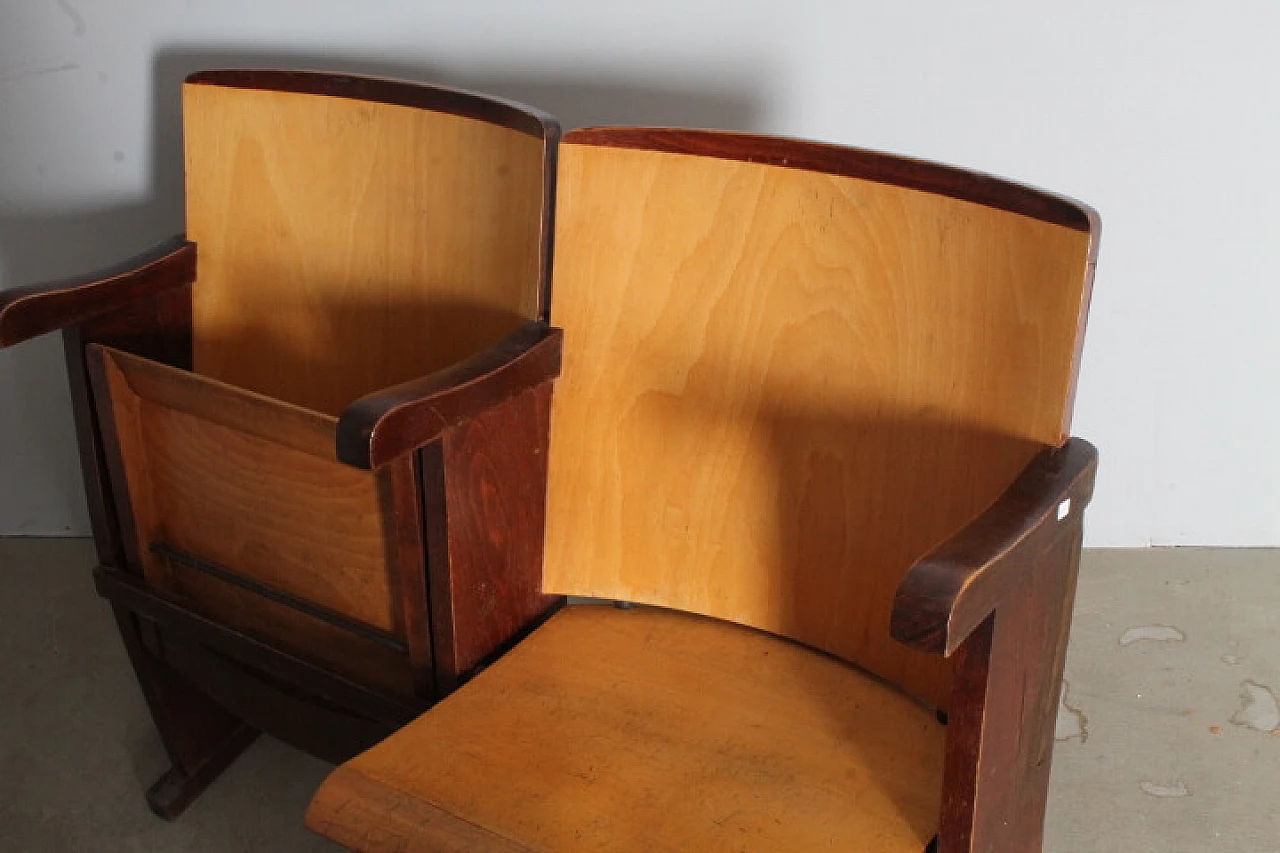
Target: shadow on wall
[36, 247]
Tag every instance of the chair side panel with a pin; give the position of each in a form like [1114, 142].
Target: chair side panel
[348, 245]
[782, 387]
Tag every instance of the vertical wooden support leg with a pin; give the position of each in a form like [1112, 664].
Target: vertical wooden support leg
[1001, 725]
[201, 738]
[484, 493]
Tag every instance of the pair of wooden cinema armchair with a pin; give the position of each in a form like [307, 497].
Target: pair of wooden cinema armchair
[809, 403]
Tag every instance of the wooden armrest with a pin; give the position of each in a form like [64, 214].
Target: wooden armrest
[28, 312]
[953, 589]
[386, 424]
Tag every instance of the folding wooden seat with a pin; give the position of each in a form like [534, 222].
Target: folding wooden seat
[313, 429]
[814, 420]
[813, 429]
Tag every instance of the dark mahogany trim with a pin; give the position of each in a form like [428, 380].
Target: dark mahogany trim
[550, 171]
[269, 705]
[404, 93]
[951, 591]
[129, 593]
[387, 424]
[28, 312]
[400, 496]
[876, 166]
[113, 458]
[435, 530]
[178, 788]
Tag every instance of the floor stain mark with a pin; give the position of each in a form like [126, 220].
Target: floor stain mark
[77, 20]
[1177, 789]
[1072, 723]
[1158, 633]
[1258, 709]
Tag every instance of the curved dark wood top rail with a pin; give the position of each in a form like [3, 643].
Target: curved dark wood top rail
[386, 424]
[876, 166]
[952, 590]
[28, 312]
[445, 99]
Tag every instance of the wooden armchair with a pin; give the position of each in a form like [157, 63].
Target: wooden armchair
[313, 429]
[814, 415]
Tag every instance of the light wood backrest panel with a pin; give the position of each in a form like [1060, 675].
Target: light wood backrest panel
[248, 484]
[782, 386]
[346, 245]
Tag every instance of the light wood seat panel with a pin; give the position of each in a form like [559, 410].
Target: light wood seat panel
[251, 485]
[783, 385]
[649, 730]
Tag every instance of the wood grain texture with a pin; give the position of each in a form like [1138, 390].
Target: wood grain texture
[405, 93]
[957, 585]
[239, 480]
[364, 815]
[389, 423]
[646, 730]
[347, 246]
[892, 169]
[487, 486]
[782, 387]
[27, 312]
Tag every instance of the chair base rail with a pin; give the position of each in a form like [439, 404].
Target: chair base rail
[269, 690]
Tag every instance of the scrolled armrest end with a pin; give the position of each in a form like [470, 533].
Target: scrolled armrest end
[951, 590]
[386, 424]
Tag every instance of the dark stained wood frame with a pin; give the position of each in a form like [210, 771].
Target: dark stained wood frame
[210, 688]
[997, 598]
[382, 427]
[28, 312]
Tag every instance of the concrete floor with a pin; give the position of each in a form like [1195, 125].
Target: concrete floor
[1169, 739]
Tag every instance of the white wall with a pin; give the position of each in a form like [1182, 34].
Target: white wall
[1163, 115]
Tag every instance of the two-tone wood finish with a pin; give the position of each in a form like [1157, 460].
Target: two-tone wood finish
[383, 426]
[998, 596]
[649, 730]
[824, 374]
[790, 371]
[348, 245]
[200, 736]
[244, 481]
[244, 607]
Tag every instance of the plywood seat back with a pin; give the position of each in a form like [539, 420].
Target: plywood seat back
[792, 369]
[353, 233]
